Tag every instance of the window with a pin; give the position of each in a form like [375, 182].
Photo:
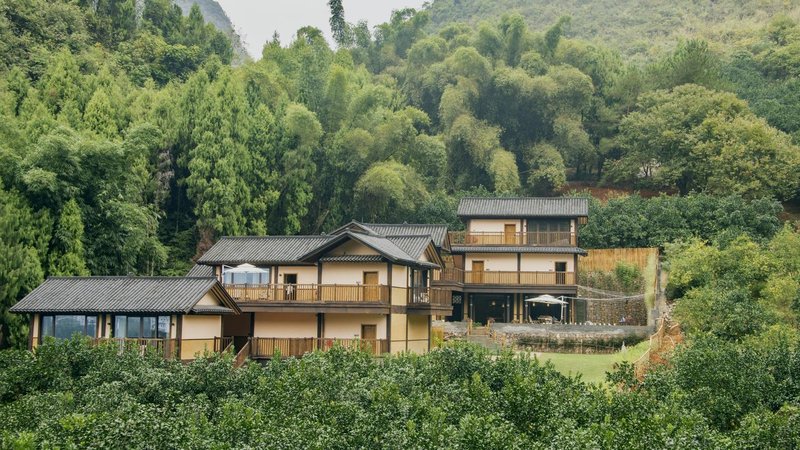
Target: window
[64, 326]
[145, 327]
[247, 275]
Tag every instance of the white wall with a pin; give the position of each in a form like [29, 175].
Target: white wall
[494, 225]
[348, 326]
[285, 325]
[201, 327]
[305, 274]
[493, 261]
[535, 262]
[352, 273]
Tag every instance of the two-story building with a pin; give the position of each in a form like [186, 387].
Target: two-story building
[366, 283]
[513, 249]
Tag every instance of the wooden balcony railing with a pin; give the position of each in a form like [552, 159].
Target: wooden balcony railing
[269, 347]
[523, 278]
[448, 274]
[168, 348]
[423, 296]
[533, 238]
[309, 293]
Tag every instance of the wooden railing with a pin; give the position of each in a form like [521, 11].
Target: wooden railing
[268, 347]
[241, 357]
[222, 343]
[449, 274]
[524, 278]
[309, 293]
[168, 348]
[430, 296]
[533, 238]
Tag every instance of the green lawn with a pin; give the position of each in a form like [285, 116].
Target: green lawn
[593, 368]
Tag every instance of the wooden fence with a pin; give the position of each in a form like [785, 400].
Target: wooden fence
[606, 259]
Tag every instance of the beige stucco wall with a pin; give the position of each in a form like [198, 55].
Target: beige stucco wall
[534, 262]
[348, 326]
[305, 274]
[201, 327]
[493, 261]
[399, 276]
[285, 325]
[418, 332]
[352, 248]
[191, 349]
[399, 296]
[494, 225]
[352, 273]
[398, 342]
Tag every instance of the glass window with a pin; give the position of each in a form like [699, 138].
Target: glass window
[134, 327]
[255, 277]
[120, 326]
[65, 326]
[47, 325]
[148, 327]
[163, 327]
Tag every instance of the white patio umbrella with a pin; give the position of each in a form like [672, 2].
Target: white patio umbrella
[550, 300]
[243, 268]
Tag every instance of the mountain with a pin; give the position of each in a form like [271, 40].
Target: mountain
[638, 28]
[213, 13]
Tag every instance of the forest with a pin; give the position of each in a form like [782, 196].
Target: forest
[129, 142]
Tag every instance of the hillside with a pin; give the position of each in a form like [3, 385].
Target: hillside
[214, 14]
[635, 27]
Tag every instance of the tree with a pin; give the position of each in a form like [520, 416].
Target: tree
[66, 255]
[389, 191]
[339, 28]
[690, 137]
[547, 173]
[22, 237]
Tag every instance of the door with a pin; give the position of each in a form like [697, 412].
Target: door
[371, 289]
[290, 286]
[510, 234]
[561, 272]
[477, 272]
[369, 336]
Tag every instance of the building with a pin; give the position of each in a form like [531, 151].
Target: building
[364, 283]
[377, 286]
[181, 316]
[513, 249]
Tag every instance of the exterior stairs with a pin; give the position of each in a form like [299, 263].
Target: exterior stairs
[480, 336]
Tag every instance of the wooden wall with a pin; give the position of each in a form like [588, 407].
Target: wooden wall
[606, 259]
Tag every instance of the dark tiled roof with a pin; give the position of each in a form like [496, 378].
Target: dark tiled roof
[262, 249]
[121, 294]
[381, 244]
[523, 207]
[210, 309]
[353, 258]
[517, 249]
[413, 246]
[437, 233]
[201, 270]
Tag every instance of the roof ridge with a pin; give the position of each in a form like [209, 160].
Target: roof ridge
[293, 236]
[128, 277]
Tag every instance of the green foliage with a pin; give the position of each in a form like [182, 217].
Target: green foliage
[72, 394]
[633, 221]
[737, 288]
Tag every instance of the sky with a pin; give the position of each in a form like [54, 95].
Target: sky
[256, 20]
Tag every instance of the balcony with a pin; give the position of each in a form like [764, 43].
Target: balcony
[270, 347]
[534, 239]
[309, 293]
[433, 298]
[519, 278]
[168, 348]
